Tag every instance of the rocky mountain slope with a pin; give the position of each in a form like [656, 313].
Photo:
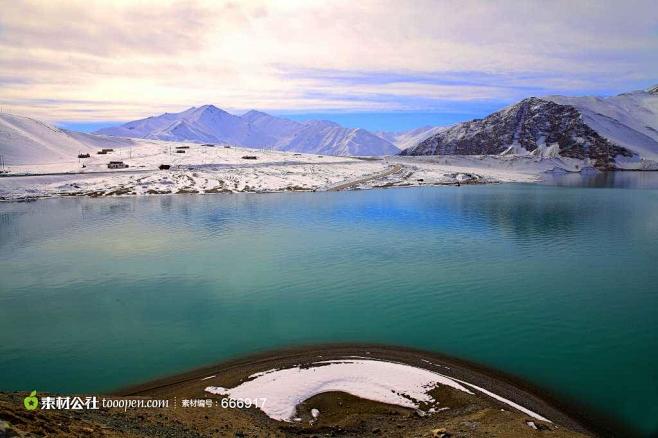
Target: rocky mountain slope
[209, 124]
[604, 130]
[28, 141]
[629, 119]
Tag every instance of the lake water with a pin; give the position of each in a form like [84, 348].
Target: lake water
[558, 285]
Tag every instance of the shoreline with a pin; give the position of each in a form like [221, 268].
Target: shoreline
[352, 187]
[541, 400]
[277, 174]
[212, 170]
[344, 187]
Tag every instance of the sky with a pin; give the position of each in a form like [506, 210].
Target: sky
[381, 65]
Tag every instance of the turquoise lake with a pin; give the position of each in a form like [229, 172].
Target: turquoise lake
[555, 284]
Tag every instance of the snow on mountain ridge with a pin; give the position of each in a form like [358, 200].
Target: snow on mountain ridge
[628, 119]
[588, 126]
[525, 126]
[406, 139]
[278, 128]
[28, 141]
[329, 138]
[210, 124]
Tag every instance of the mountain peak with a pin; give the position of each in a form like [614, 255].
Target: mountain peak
[532, 100]
[322, 123]
[208, 108]
[524, 104]
[195, 110]
[254, 114]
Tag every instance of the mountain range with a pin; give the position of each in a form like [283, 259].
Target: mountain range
[605, 130]
[209, 124]
[616, 131]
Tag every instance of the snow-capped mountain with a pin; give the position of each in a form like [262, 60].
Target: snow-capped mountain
[28, 141]
[209, 124]
[329, 138]
[406, 139]
[203, 124]
[629, 119]
[623, 127]
[277, 127]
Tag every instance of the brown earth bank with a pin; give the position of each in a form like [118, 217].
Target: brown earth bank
[341, 414]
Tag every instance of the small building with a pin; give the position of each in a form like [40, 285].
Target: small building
[83, 155]
[182, 147]
[249, 157]
[117, 165]
[164, 167]
[180, 151]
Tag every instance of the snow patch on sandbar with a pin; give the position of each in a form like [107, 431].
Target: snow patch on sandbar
[381, 381]
[385, 382]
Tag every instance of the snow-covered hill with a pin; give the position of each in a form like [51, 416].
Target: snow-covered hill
[209, 124]
[618, 131]
[324, 137]
[278, 128]
[532, 124]
[406, 139]
[628, 119]
[28, 141]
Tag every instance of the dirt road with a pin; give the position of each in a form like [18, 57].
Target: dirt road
[396, 168]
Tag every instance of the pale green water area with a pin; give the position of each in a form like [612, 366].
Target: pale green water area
[558, 285]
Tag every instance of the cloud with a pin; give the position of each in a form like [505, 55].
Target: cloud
[118, 60]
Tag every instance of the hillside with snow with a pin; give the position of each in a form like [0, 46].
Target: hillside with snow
[329, 138]
[615, 132]
[629, 119]
[28, 141]
[606, 132]
[41, 161]
[209, 124]
[406, 139]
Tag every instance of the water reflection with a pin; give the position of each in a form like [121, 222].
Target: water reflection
[622, 180]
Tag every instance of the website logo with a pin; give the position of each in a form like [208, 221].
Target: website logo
[31, 402]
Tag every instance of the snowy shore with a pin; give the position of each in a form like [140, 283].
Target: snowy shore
[196, 168]
[356, 390]
[376, 380]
